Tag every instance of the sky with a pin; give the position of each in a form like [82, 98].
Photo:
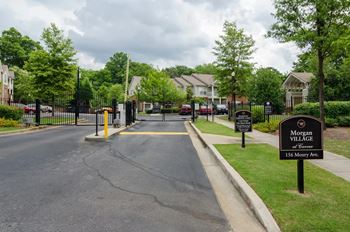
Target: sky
[159, 32]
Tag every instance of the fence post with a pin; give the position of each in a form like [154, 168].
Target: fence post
[114, 107]
[37, 112]
[128, 113]
[77, 98]
[133, 111]
[96, 134]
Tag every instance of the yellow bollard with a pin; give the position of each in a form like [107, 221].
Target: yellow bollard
[106, 124]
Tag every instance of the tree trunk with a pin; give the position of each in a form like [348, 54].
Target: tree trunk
[321, 87]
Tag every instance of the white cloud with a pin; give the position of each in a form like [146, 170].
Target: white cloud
[159, 32]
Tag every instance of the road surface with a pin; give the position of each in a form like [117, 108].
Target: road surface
[54, 181]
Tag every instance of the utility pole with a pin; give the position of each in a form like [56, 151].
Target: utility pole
[126, 79]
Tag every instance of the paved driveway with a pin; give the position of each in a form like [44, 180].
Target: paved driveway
[54, 181]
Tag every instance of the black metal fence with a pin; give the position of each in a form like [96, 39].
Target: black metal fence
[257, 110]
[66, 110]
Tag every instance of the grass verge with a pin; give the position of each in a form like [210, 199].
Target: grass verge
[215, 128]
[7, 129]
[324, 207]
[340, 147]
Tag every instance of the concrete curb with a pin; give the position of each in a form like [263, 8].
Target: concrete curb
[111, 131]
[251, 198]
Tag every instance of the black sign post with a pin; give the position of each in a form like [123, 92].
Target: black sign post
[243, 123]
[267, 110]
[301, 137]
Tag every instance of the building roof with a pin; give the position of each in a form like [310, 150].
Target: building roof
[181, 81]
[302, 76]
[297, 80]
[207, 79]
[192, 80]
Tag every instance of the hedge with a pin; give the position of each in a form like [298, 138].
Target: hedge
[337, 113]
[267, 127]
[170, 110]
[10, 112]
[333, 109]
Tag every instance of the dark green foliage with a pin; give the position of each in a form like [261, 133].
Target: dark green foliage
[265, 86]
[337, 112]
[178, 70]
[170, 110]
[10, 112]
[258, 114]
[206, 69]
[15, 48]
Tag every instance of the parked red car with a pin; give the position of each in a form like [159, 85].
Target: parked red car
[185, 109]
[29, 110]
[204, 111]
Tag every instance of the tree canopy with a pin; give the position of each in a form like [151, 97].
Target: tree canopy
[16, 48]
[316, 25]
[157, 86]
[265, 86]
[233, 51]
[53, 69]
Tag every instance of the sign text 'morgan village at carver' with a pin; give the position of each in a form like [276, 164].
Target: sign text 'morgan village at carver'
[301, 138]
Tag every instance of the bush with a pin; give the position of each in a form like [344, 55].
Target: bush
[10, 112]
[331, 122]
[148, 111]
[170, 110]
[333, 109]
[267, 127]
[343, 121]
[258, 114]
[8, 123]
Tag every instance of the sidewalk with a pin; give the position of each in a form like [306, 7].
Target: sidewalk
[336, 164]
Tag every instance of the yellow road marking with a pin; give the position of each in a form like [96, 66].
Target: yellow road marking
[153, 133]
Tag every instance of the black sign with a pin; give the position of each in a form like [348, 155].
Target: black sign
[243, 121]
[268, 108]
[301, 138]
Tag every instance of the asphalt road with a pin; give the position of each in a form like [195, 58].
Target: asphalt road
[54, 181]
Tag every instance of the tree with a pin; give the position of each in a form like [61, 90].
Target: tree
[24, 90]
[139, 69]
[86, 92]
[264, 86]
[233, 51]
[15, 48]
[158, 87]
[54, 68]
[116, 92]
[189, 93]
[116, 66]
[315, 25]
[178, 70]
[206, 69]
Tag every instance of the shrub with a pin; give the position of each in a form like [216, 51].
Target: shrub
[267, 127]
[170, 110]
[343, 120]
[258, 114]
[10, 112]
[333, 109]
[148, 111]
[8, 123]
[331, 122]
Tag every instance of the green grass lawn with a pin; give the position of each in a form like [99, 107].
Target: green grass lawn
[56, 120]
[340, 147]
[324, 207]
[6, 129]
[214, 128]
